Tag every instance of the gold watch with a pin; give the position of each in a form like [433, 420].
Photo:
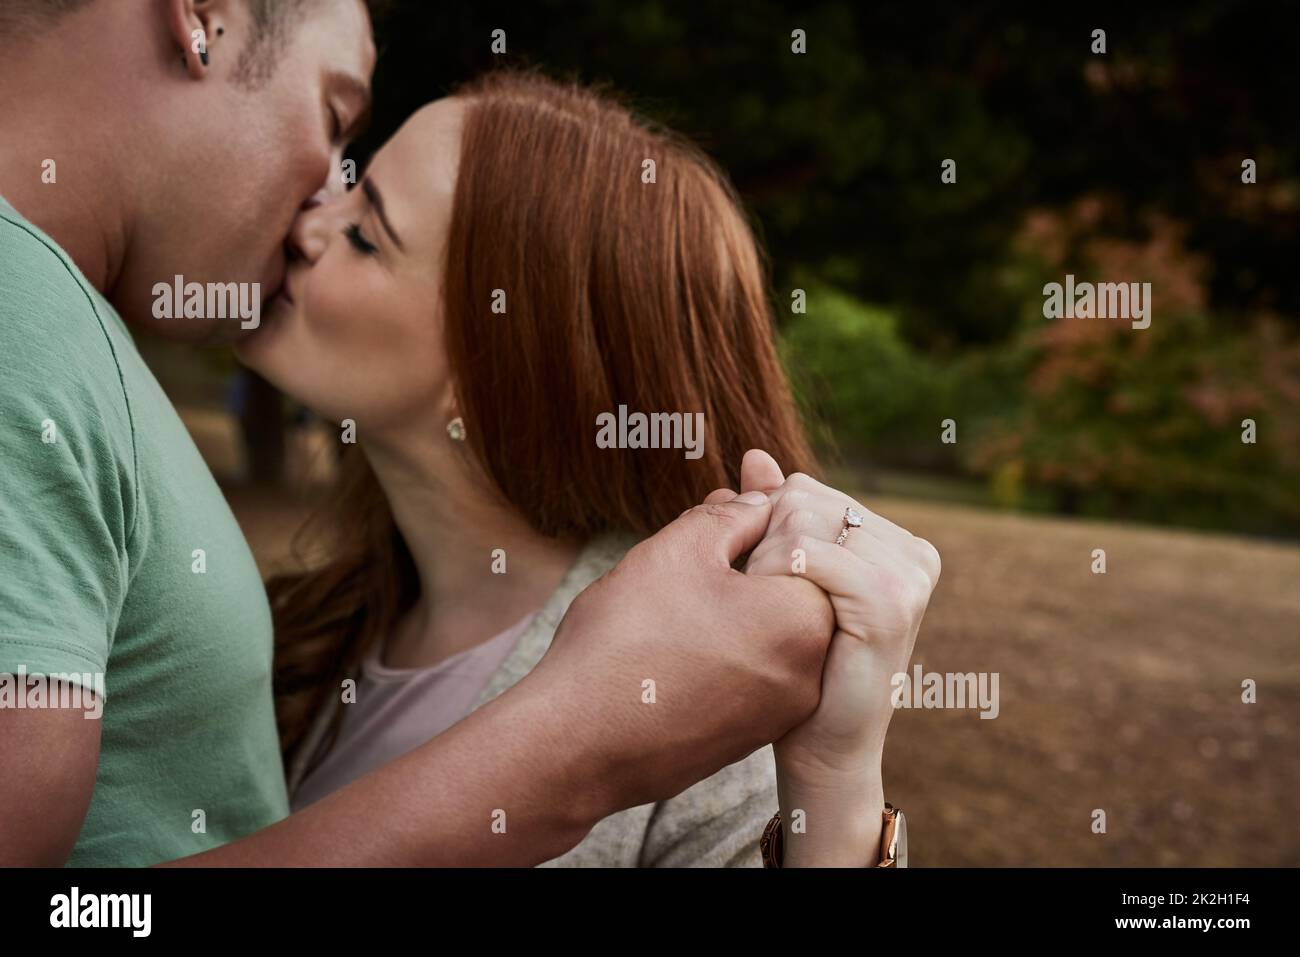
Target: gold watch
[893, 840]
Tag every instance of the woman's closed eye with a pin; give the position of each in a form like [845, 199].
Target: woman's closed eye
[358, 241]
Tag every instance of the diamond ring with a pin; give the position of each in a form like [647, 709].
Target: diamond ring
[852, 519]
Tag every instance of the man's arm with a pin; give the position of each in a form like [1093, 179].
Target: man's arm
[49, 756]
[736, 661]
[431, 807]
[436, 806]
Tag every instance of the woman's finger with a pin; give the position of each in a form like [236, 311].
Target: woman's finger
[759, 472]
[816, 523]
[879, 593]
[792, 523]
[821, 515]
[800, 487]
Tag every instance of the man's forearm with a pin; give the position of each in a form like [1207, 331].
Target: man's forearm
[504, 787]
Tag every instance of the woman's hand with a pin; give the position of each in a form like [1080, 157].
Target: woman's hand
[879, 581]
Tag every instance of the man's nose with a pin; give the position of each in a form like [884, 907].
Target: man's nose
[309, 237]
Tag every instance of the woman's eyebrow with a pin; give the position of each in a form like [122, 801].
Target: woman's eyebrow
[376, 200]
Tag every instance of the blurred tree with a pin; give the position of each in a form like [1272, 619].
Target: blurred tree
[838, 150]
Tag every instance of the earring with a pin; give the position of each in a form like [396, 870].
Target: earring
[456, 429]
[203, 56]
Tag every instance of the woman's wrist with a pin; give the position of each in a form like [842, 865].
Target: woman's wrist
[831, 820]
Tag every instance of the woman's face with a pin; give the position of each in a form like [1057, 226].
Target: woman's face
[356, 332]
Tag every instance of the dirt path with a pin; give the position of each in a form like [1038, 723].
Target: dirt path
[1119, 691]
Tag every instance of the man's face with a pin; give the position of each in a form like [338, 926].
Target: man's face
[219, 192]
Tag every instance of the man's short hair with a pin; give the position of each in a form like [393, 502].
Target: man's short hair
[18, 16]
[273, 25]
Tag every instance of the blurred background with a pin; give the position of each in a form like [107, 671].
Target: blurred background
[1120, 691]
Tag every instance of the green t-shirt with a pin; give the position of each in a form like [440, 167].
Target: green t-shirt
[104, 503]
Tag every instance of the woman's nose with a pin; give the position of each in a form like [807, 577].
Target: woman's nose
[309, 236]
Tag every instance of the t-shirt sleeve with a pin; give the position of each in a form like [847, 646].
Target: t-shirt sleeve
[66, 466]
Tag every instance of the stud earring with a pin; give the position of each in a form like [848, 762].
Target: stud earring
[456, 429]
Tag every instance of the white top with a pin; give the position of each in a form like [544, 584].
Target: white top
[399, 709]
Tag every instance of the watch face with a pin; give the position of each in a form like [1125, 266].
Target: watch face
[900, 842]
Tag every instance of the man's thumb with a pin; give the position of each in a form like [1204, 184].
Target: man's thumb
[726, 530]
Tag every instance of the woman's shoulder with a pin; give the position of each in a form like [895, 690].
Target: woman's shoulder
[604, 552]
[716, 822]
[595, 558]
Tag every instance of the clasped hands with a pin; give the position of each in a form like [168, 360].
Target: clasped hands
[797, 650]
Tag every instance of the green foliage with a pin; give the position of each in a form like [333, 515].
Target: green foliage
[1101, 419]
[859, 379]
[1148, 424]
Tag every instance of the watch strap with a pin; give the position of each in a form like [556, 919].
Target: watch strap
[771, 844]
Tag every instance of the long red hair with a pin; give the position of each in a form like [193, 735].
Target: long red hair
[620, 291]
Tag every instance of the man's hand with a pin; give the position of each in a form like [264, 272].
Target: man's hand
[736, 660]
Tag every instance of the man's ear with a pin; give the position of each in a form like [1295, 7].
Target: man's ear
[197, 27]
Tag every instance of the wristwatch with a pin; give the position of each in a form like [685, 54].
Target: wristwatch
[893, 840]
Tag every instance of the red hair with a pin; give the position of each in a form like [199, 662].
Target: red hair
[619, 291]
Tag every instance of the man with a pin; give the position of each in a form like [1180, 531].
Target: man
[147, 139]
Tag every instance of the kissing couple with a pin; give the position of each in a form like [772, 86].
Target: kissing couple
[511, 645]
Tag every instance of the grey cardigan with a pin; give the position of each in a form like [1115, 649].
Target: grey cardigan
[715, 823]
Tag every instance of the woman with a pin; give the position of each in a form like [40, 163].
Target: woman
[521, 262]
